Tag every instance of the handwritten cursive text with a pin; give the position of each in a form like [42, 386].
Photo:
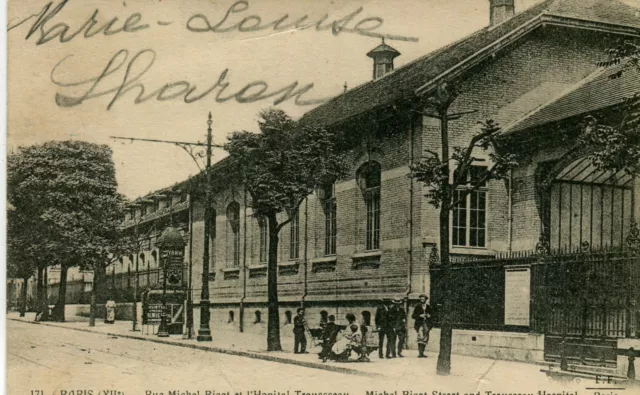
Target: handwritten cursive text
[61, 29]
[140, 63]
[199, 23]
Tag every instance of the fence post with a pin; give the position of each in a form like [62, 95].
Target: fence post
[631, 368]
[563, 344]
[633, 297]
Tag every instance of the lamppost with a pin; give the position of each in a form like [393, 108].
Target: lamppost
[195, 151]
[171, 246]
[204, 332]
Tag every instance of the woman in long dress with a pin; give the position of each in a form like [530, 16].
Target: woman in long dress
[111, 311]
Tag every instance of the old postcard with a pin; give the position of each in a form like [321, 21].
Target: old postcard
[327, 197]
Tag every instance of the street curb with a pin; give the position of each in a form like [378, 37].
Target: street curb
[247, 354]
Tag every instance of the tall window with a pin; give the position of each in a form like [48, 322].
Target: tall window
[264, 239]
[212, 222]
[330, 228]
[233, 216]
[294, 239]
[469, 228]
[369, 178]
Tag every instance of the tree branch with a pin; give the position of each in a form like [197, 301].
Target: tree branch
[293, 213]
[435, 154]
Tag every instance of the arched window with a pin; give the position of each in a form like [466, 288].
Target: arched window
[369, 179]
[366, 318]
[330, 224]
[258, 317]
[231, 316]
[287, 315]
[233, 233]
[264, 239]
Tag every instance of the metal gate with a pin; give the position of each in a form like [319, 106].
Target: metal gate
[585, 302]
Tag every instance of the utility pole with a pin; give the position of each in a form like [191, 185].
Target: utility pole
[194, 150]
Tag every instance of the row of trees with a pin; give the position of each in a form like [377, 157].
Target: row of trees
[66, 212]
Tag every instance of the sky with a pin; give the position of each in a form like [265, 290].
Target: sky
[38, 73]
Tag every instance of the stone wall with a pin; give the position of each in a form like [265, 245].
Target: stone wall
[511, 346]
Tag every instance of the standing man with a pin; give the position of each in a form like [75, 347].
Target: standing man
[299, 338]
[399, 324]
[423, 323]
[384, 324]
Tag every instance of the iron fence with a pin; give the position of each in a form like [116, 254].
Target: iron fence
[583, 293]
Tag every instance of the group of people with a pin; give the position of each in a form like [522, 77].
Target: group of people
[338, 343]
[391, 323]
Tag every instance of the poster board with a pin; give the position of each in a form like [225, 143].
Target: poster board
[517, 293]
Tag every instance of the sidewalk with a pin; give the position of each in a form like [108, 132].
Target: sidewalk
[475, 371]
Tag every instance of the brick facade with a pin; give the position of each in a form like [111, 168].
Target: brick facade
[509, 85]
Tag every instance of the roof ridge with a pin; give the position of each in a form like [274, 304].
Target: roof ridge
[582, 6]
[540, 6]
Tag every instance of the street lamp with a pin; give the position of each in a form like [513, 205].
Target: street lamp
[171, 246]
[194, 149]
[204, 332]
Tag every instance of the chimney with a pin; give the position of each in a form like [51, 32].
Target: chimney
[382, 56]
[500, 11]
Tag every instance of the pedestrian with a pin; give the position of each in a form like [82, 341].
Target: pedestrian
[384, 324]
[423, 324]
[111, 311]
[329, 335]
[399, 325]
[299, 338]
[323, 318]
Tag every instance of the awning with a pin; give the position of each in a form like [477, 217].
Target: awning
[593, 94]
[583, 170]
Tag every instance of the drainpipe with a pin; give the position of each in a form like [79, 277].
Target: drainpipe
[306, 245]
[510, 214]
[410, 251]
[244, 266]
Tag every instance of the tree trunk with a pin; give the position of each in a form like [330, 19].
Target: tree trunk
[23, 301]
[273, 324]
[446, 332]
[100, 282]
[92, 308]
[98, 292]
[58, 309]
[42, 297]
[444, 357]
